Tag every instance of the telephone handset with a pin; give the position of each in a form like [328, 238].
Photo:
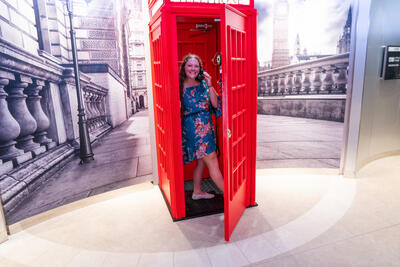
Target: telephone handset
[200, 76]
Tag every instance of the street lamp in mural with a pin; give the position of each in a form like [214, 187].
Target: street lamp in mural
[85, 152]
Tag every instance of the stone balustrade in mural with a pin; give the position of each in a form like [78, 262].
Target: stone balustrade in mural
[25, 111]
[23, 122]
[39, 122]
[326, 75]
[314, 89]
[94, 99]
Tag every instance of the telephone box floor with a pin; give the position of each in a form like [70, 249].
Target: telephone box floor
[203, 207]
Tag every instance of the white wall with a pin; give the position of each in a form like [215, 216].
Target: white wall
[380, 115]
[376, 131]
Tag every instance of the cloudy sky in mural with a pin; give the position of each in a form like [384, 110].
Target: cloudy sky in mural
[319, 24]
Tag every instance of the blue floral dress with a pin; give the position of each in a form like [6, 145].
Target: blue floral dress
[198, 136]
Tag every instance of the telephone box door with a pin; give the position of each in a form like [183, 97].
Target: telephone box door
[236, 108]
[166, 110]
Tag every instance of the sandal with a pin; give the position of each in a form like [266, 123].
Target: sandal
[204, 195]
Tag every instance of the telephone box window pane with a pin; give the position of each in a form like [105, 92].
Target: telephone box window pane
[156, 6]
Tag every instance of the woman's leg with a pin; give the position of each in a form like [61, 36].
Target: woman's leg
[212, 163]
[197, 174]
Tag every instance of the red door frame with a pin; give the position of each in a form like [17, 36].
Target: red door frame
[171, 180]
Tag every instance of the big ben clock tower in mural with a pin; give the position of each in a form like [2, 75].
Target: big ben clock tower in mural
[280, 49]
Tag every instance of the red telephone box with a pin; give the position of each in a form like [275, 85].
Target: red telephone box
[179, 28]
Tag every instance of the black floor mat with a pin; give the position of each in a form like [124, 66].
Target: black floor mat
[203, 207]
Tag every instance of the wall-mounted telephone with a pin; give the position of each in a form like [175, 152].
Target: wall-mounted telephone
[390, 68]
[217, 60]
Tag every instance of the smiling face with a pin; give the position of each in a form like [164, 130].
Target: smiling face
[192, 68]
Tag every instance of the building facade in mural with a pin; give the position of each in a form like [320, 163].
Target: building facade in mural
[38, 103]
[301, 55]
[137, 58]
[343, 45]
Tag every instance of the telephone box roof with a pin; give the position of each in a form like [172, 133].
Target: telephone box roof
[154, 5]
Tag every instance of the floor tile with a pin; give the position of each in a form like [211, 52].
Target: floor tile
[87, 259]
[120, 259]
[164, 259]
[257, 248]
[192, 258]
[228, 255]
[286, 261]
[359, 251]
[56, 256]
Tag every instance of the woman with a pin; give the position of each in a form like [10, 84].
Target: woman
[198, 136]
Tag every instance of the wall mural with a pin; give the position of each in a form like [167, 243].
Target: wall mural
[303, 57]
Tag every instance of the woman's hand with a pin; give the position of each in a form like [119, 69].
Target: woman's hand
[213, 95]
[207, 78]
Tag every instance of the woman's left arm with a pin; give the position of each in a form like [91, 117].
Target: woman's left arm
[212, 93]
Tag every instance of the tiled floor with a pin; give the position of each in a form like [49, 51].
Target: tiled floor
[304, 218]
